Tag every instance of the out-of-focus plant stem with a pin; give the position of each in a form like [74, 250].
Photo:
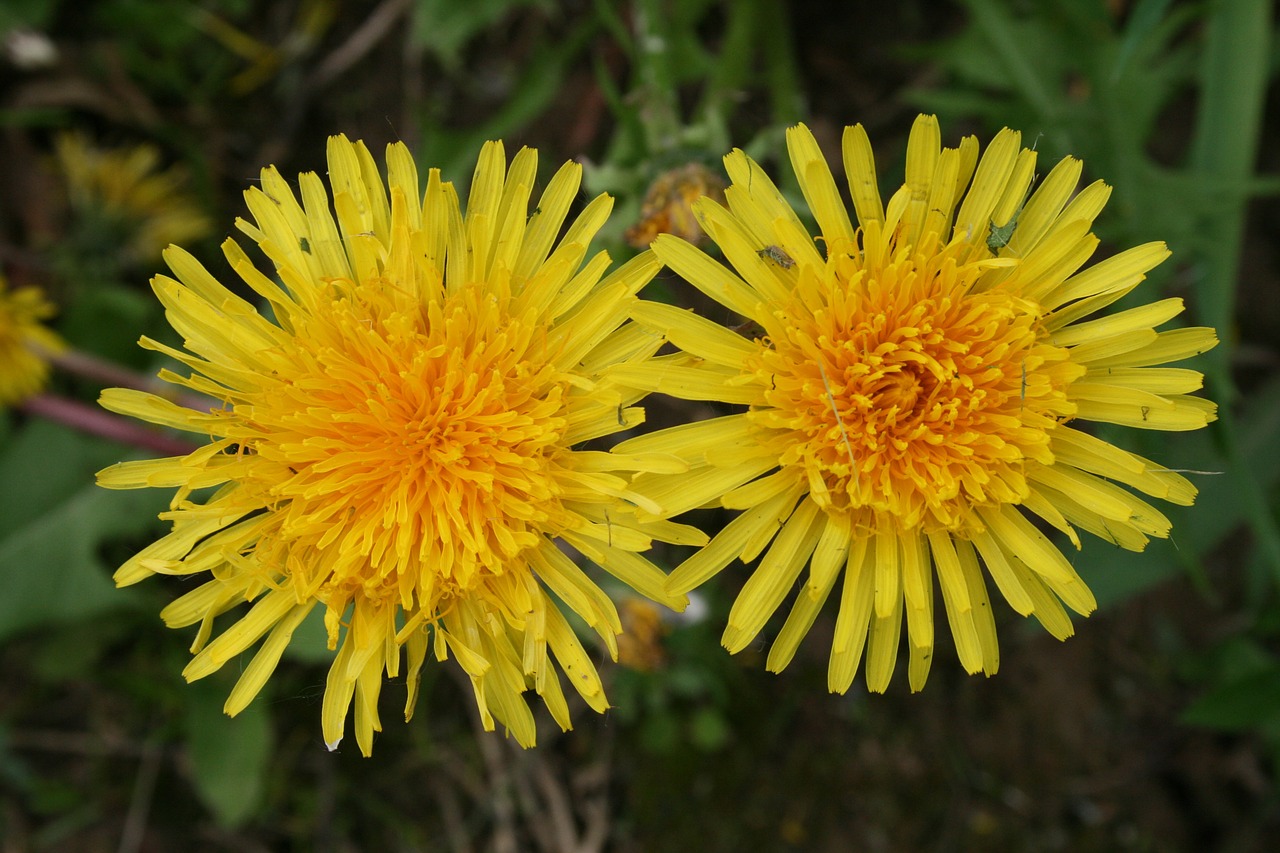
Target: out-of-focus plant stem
[94, 421]
[657, 83]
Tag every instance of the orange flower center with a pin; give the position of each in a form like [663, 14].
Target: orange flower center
[904, 391]
[414, 448]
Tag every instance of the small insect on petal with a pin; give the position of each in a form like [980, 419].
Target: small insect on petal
[777, 255]
[1001, 234]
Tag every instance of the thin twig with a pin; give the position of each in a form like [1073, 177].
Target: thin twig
[110, 374]
[558, 812]
[72, 743]
[358, 44]
[455, 831]
[144, 788]
[505, 837]
[94, 421]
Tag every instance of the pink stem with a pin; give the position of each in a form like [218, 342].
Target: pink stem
[94, 421]
[109, 373]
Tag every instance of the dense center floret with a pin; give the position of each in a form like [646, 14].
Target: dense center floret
[416, 446]
[906, 392]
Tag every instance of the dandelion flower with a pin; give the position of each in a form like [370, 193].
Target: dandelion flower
[641, 645]
[916, 398]
[668, 205]
[25, 343]
[394, 444]
[125, 203]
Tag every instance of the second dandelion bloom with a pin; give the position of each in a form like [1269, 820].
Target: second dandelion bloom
[395, 443]
[127, 206]
[917, 385]
[26, 343]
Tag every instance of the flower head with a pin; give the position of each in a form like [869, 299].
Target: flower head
[915, 394]
[119, 192]
[668, 205]
[25, 343]
[395, 444]
[641, 645]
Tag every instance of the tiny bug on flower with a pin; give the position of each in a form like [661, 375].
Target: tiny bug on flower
[777, 255]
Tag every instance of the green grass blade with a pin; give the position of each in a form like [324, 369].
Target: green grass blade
[1233, 83]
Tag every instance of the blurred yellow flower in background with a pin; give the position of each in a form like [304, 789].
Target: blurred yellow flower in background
[640, 645]
[668, 205]
[395, 444]
[131, 207]
[25, 343]
[915, 398]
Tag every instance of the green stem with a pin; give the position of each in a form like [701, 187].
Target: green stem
[781, 69]
[657, 85]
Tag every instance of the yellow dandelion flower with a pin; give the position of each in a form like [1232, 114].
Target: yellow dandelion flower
[641, 645]
[121, 190]
[915, 397]
[395, 443]
[25, 343]
[668, 205]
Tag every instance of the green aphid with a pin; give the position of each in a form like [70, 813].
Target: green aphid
[1001, 234]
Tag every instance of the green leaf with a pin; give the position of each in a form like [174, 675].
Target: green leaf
[660, 734]
[1020, 65]
[1115, 574]
[53, 525]
[26, 14]
[229, 755]
[1233, 86]
[455, 149]
[76, 651]
[105, 319]
[51, 568]
[444, 28]
[1143, 22]
[1243, 703]
[43, 464]
[310, 643]
[709, 730]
